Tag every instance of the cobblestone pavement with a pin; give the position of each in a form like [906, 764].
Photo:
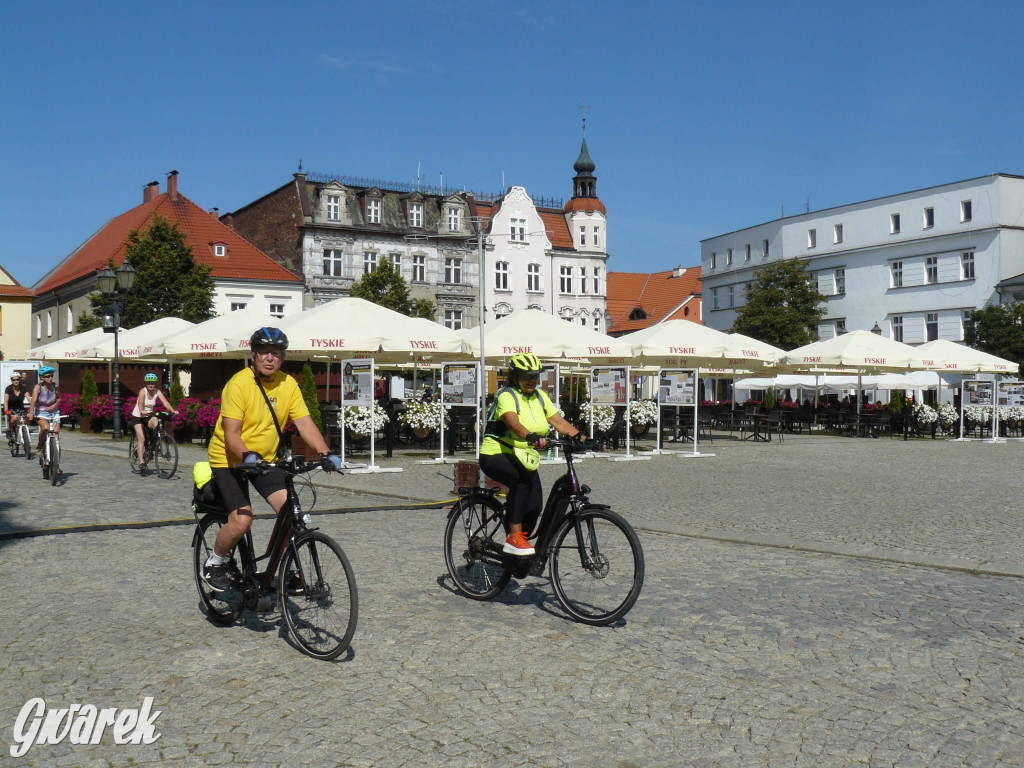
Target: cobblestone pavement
[868, 646]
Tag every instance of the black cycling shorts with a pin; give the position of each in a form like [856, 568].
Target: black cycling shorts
[233, 485]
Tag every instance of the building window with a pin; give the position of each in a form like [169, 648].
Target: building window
[332, 263]
[597, 323]
[931, 269]
[70, 319]
[728, 258]
[369, 262]
[518, 230]
[501, 276]
[276, 310]
[415, 214]
[39, 327]
[597, 232]
[732, 296]
[929, 218]
[565, 279]
[931, 326]
[812, 238]
[454, 219]
[220, 250]
[746, 253]
[334, 208]
[583, 235]
[453, 319]
[453, 271]
[373, 211]
[840, 327]
[714, 298]
[837, 233]
[764, 249]
[396, 262]
[597, 280]
[967, 265]
[237, 306]
[714, 259]
[583, 279]
[897, 328]
[894, 223]
[533, 277]
[897, 274]
[966, 210]
[419, 268]
[965, 322]
[840, 282]
[49, 323]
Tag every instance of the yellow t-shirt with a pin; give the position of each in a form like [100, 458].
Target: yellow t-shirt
[534, 413]
[242, 400]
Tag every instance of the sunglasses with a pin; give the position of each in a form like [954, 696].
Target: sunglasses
[47, 375]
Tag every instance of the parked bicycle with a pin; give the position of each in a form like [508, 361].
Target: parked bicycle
[314, 587]
[596, 561]
[19, 438]
[49, 457]
[160, 448]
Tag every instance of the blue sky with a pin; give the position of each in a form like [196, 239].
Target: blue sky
[704, 117]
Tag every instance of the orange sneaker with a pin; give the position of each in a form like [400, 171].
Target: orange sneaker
[518, 545]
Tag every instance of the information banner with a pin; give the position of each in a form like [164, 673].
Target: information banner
[978, 393]
[677, 387]
[1011, 393]
[459, 384]
[609, 386]
[357, 382]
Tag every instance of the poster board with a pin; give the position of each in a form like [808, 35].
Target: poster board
[1010, 393]
[609, 386]
[677, 387]
[357, 382]
[976, 392]
[459, 384]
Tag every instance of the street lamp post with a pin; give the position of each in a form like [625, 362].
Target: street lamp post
[108, 282]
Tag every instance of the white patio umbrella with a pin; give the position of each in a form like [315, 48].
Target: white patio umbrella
[209, 338]
[132, 343]
[351, 327]
[767, 352]
[547, 336]
[944, 355]
[685, 344]
[69, 349]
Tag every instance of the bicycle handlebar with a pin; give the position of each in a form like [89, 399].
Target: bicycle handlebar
[570, 445]
[292, 466]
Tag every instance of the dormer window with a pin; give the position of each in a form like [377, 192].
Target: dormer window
[373, 211]
[220, 249]
[638, 314]
[415, 214]
[334, 207]
[454, 219]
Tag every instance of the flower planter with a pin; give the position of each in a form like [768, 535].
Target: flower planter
[85, 422]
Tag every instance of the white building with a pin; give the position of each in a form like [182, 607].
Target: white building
[916, 264]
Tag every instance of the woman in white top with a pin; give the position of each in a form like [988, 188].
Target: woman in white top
[149, 396]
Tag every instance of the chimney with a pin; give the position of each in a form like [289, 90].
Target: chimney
[172, 186]
[678, 272]
[215, 212]
[150, 191]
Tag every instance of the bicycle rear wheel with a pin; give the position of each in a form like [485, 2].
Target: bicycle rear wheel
[133, 453]
[166, 456]
[606, 588]
[317, 589]
[473, 540]
[54, 452]
[14, 443]
[221, 607]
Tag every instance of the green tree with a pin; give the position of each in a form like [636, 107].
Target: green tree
[89, 390]
[168, 281]
[308, 390]
[177, 391]
[998, 330]
[386, 287]
[782, 308]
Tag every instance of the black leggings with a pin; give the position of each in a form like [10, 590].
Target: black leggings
[525, 494]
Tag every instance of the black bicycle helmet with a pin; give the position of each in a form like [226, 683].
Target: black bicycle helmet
[268, 337]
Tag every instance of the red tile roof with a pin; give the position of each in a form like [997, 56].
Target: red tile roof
[587, 204]
[201, 229]
[13, 289]
[660, 295]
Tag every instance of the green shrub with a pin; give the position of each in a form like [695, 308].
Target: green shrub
[177, 391]
[308, 389]
[895, 402]
[89, 390]
[769, 398]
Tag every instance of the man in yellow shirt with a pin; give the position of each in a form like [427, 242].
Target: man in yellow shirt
[522, 417]
[248, 432]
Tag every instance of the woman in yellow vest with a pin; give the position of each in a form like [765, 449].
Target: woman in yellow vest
[521, 418]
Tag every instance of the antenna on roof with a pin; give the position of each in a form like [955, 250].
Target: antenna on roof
[807, 207]
[300, 165]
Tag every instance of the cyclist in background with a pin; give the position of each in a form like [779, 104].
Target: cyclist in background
[254, 405]
[43, 406]
[14, 402]
[149, 396]
[520, 418]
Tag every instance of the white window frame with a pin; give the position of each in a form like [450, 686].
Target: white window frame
[966, 211]
[453, 270]
[583, 280]
[276, 309]
[837, 233]
[928, 222]
[897, 327]
[931, 270]
[965, 318]
[70, 319]
[533, 278]
[840, 326]
[840, 281]
[416, 215]
[597, 281]
[517, 230]
[896, 274]
[238, 305]
[39, 327]
[728, 257]
[714, 298]
[894, 223]
[334, 262]
[49, 323]
[453, 319]
[419, 268]
[454, 218]
[732, 296]
[396, 261]
[219, 249]
[714, 260]
[370, 262]
[746, 252]
[583, 236]
[334, 207]
[812, 238]
[597, 237]
[565, 280]
[373, 210]
[967, 265]
[765, 248]
[501, 276]
[931, 320]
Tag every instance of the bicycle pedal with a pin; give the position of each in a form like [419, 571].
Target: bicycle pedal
[536, 567]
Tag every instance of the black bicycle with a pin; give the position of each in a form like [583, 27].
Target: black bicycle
[160, 447]
[597, 563]
[315, 586]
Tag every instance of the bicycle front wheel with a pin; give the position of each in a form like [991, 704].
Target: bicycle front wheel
[317, 589]
[133, 453]
[221, 607]
[26, 442]
[54, 459]
[166, 456]
[473, 540]
[597, 576]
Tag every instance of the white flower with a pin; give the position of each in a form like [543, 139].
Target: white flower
[947, 414]
[925, 414]
[978, 413]
[1011, 413]
[604, 415]
[642, 412]
[359, 421]
[424, 415]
